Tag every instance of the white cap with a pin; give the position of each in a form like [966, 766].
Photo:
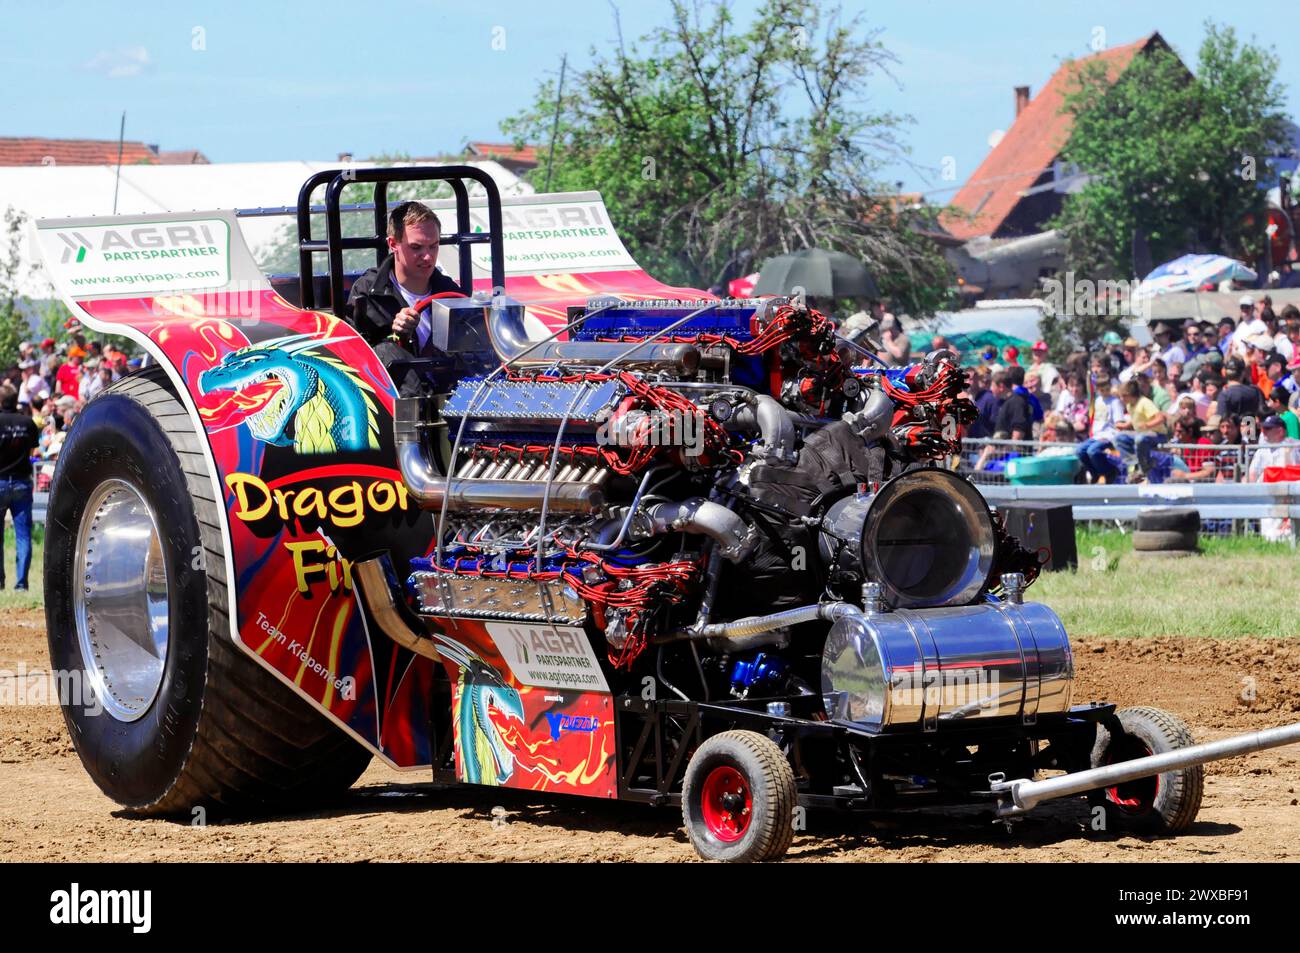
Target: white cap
[1246, 301]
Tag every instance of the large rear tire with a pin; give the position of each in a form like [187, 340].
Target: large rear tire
[172, 715]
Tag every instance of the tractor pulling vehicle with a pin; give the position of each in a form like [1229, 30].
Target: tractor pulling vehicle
[667, 548]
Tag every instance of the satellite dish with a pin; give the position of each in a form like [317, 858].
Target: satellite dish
[995, 137]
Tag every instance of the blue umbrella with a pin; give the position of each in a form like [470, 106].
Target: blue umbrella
[1193, 271]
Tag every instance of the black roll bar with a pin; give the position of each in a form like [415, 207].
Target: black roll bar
[334, 243]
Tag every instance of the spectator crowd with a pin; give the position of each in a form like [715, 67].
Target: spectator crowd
[1207, 401]
[40, 398]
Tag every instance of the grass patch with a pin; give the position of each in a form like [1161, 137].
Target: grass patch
[1240, 586]
[34, 597]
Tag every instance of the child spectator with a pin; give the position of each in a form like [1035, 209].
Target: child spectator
[1200, 463]
[1145, 428]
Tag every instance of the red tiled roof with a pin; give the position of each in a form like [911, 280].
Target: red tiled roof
[34, 151]
[504, 150]
[1029, 147]
[182, 157]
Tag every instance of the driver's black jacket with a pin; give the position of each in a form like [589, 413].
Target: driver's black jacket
[374, 301]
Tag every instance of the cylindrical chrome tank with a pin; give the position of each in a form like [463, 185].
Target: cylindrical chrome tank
[919, 668]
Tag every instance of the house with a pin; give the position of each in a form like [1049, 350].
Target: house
[37, 150]
[1019, 186]
[517, 160]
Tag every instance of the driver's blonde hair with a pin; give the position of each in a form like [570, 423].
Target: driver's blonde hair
[409, 213]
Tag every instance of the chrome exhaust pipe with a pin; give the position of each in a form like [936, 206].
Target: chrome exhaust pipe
[428, 487]
[1023, 794]
[766, 415]
[735, 537]
[372, 580]
[754, 625]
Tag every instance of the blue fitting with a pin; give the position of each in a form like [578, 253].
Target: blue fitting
[747, 673]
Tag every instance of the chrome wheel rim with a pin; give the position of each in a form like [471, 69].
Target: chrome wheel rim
[120, 600]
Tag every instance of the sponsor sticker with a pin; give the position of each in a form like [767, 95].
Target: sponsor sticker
[547, 656]
[561, 236]
[183, 255]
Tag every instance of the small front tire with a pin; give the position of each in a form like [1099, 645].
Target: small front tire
[1165, 804]
[738, 798]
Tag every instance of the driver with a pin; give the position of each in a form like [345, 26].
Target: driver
[380, 304]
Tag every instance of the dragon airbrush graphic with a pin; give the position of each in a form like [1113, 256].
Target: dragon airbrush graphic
[487, 758]
[329, 406]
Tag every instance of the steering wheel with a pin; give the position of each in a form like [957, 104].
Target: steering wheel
[423, 303]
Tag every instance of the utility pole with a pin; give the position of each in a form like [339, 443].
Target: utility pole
[555, 127]
[121, 134]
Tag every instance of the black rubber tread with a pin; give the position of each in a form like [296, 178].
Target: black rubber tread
[1157, 540]
[1170, 518]
[1180, 792]
[1165, 553]
[256, 745]
[775, 796]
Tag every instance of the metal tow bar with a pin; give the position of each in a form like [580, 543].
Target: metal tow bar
[1019, 796]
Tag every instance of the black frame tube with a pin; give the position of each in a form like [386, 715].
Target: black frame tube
[334, 243]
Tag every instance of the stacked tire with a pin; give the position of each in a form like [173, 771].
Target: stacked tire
[1167, 532]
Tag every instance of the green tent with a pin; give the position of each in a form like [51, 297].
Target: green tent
[970, 345]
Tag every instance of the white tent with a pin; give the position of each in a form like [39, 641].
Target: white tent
[71, 191]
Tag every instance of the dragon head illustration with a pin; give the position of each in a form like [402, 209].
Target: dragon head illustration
[330, 407]
[487, 704]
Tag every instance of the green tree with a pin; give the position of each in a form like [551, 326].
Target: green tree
[1175, 159]
[717, 145]
[52, 319]
[13, 314]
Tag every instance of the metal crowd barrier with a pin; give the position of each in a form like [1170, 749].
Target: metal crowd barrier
[1227, 501]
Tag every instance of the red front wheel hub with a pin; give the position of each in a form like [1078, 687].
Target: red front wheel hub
[726, 804]
[1138, 796]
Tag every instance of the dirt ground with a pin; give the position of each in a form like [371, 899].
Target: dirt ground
[50, 810]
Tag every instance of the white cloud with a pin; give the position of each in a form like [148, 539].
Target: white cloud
[120, 63]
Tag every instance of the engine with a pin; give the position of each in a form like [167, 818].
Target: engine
[697, 485]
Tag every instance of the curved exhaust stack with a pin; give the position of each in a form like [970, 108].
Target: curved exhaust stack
[735, 537]
[372, 579]
[766, 415]
[429, 487]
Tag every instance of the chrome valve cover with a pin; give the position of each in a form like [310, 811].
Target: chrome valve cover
[542, 404]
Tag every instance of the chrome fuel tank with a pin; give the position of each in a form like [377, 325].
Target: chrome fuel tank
[919, 668]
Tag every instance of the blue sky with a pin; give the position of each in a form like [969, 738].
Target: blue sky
[308, 81]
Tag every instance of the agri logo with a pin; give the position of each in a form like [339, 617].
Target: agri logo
[561, 723]
[131, 243]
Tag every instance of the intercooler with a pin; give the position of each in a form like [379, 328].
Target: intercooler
[485, 597]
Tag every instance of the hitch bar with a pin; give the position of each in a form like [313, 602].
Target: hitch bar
[1021, 795]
